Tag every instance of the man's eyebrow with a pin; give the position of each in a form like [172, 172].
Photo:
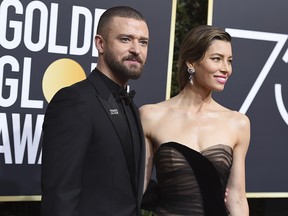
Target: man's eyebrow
[144, 38]
[133, 36]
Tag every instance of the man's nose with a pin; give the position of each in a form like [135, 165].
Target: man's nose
[135, 47]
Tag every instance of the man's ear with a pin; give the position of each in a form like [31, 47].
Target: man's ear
[99, 43]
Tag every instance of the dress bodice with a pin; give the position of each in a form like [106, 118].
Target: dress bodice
[190, 182]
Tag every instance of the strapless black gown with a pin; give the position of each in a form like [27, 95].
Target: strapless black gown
[190, 182]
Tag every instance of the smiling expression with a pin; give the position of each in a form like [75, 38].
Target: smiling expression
[213, 70]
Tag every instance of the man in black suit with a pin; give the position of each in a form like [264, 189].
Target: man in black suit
[93, 145]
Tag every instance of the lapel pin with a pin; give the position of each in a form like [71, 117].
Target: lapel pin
[114, 111]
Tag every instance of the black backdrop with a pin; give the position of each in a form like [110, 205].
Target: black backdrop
[35, 34]
[258, 86]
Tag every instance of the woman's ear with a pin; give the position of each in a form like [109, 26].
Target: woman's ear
[189, 65]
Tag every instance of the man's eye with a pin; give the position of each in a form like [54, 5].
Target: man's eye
[144, 42]
[124, 39]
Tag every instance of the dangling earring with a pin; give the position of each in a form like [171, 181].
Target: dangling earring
[191, 71]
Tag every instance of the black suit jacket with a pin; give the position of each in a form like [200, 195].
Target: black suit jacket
[84, 154]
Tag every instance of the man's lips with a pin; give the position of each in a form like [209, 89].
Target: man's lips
[133, 62]
[134, 59]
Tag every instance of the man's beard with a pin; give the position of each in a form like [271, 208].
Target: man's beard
[117, 67]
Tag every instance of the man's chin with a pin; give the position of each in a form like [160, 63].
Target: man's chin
[134, 72]
[135, 76]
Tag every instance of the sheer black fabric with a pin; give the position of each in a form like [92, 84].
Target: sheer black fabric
[179, 171]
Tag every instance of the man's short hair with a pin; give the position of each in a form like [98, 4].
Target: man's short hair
[119, 11]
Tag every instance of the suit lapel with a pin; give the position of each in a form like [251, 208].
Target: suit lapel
[111, 108]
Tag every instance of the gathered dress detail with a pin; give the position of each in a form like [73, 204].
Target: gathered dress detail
[190, 182]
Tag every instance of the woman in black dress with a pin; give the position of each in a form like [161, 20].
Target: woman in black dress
[197, 145]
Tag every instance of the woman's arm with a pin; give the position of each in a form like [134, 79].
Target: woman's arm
[236, 201]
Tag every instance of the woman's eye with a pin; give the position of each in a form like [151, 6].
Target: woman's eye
[216, 59]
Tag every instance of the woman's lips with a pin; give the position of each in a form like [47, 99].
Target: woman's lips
[221, 79]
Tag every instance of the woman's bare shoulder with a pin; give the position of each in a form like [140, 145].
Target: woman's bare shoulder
[235, 116]
[241, 119]
[237, 120]
[151, 116]
[152, 110]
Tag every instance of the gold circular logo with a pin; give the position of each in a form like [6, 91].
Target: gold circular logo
[61, 73]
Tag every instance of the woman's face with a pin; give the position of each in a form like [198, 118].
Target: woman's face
[213, 70]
